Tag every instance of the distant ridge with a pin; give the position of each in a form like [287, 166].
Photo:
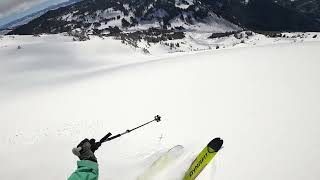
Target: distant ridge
[24, 20]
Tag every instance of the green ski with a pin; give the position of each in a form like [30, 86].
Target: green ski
[205, 156]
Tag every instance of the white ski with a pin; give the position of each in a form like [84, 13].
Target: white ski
[162, 163]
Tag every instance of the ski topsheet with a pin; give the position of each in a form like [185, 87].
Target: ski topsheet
[205, 156]
[162, 163]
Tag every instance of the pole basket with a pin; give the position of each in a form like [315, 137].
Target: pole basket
[157, 118]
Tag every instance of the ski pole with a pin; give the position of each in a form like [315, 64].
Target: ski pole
[105, 138]
[157, 118]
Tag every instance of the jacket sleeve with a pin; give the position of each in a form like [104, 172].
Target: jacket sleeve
[86, 170]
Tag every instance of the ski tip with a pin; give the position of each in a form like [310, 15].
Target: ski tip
[216, 144]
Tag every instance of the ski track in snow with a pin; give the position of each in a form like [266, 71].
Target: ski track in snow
[263, 101]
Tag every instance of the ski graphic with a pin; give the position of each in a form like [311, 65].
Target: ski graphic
[203, 159]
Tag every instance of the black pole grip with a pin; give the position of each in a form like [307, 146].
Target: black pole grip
[105, 138]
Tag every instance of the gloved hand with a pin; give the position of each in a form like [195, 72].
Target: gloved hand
[86, 148]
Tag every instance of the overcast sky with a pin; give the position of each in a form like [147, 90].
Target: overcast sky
[8, 7]
[13, 9]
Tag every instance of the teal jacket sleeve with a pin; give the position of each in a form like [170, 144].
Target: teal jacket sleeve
[86, 170]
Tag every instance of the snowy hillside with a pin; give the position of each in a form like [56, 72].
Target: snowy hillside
[263, 101]
[99, 16]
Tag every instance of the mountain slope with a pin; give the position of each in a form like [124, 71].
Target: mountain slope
[263, 101]
[266, 15]
[311, 7]
[100, 15]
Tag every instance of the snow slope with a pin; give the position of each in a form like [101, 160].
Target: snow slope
[263, 101]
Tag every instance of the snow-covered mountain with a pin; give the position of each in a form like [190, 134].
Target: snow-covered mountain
[258, 92]
[311, 7]
[270, 15]
[28, 18]
[99, 16]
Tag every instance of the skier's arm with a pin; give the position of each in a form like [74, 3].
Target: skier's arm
[86, 170]
[87, 167]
